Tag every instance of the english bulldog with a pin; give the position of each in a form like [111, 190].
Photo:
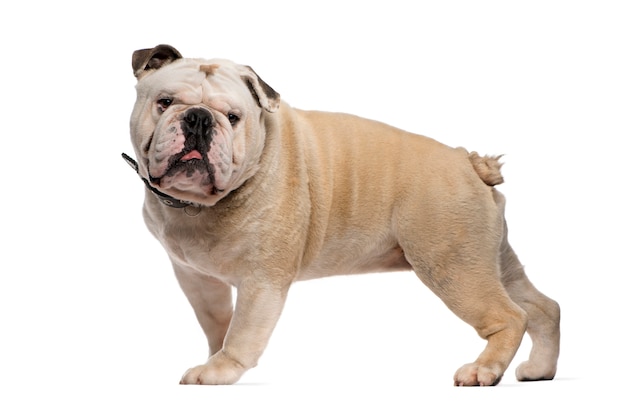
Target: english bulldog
[243, 191]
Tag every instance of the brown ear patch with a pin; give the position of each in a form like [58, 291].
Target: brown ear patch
[145, 60]
[266, 96]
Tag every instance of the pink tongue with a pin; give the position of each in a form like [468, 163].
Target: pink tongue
[194, 154]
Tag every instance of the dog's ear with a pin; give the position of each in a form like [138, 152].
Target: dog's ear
[267, 98]
[146, 60]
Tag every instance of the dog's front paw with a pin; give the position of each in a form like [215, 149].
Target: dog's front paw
[473, 374]
[220, 369]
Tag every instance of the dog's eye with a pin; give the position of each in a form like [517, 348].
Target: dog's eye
[163, 103]
[233, 119]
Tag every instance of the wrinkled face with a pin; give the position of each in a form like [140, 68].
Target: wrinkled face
[197, 130]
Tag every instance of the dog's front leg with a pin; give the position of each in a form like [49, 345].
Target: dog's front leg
[212, 302]
[259, 305]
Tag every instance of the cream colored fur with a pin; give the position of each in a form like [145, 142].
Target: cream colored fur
[310, 194]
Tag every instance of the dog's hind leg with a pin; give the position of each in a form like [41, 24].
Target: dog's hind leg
[543, 317]
[472, 290]
[461, 267]
[543, 312]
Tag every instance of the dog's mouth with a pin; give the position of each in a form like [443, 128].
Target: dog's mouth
[189, 162]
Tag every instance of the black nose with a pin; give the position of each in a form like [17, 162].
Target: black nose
[198, 122]
[197, 125]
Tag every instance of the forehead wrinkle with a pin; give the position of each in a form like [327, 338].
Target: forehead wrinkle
[190, 88]
[180, 82]
[212, 90]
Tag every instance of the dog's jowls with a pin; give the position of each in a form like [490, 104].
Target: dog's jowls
[245, 191]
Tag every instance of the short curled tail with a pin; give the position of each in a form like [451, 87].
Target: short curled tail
[487, 168]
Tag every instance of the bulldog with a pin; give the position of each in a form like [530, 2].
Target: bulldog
[243, 191]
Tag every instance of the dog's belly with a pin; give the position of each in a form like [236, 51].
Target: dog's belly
[349, 261]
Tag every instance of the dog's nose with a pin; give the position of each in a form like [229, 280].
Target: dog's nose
[198, 122]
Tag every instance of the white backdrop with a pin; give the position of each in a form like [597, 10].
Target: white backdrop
[89, 307]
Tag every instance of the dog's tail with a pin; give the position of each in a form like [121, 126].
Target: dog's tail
[487, 168]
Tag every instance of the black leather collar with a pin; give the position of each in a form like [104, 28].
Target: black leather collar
[164, 198]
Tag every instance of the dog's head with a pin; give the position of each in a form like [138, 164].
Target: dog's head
[198, 125]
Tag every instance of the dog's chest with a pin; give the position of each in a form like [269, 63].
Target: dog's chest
[212, 256]
[193, 244]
